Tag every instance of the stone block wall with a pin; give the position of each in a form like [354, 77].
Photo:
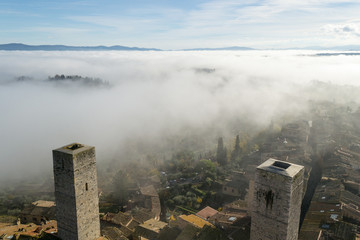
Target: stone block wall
[76, 193]
[276, 205]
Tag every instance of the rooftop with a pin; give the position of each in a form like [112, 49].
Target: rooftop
[29, 230]
[149, 191]
[206, 212]
[280, 167]
[42, 203]
[121, 218]
[153, 225]
[73, 148]
[40, 208]
[195, 220]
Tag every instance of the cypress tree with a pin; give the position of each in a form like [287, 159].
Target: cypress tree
[221, 153]
[236, 152]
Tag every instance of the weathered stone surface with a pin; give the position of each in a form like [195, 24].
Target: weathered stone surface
[277, 201]
[76, 192]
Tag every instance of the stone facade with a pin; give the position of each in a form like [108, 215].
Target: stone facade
[39, 212]
[277, 201]
[76, 192]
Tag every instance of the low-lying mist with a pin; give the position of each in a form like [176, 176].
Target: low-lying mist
[154, 100]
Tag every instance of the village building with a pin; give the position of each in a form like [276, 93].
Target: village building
[236, 185]
[151, 200]
[233, 188]
[297, 131]
[39, 212]
[331, 203]
[29, 231]
[183, 220]
[206, 213]
[113, 233]
[150, 229]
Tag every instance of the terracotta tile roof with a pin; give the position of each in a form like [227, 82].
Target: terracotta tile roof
[141, 214]
[228, 218]
[154, 225]
[41, 203]
[206, 212]
[126, 231]
[121, 218]
[32, 230]
[112, 234]
[195, 220]
[132, 224]
[150, 229]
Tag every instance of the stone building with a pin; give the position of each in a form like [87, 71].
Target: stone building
[39, 212]
[151, 200]
[277, 201]
[149, 229]
[76, 192]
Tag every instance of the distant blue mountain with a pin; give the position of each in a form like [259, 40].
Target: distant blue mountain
[24, 47]
[333, 48]
[234, 48]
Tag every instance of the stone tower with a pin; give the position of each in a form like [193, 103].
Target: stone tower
[76, 192]
[276, 207]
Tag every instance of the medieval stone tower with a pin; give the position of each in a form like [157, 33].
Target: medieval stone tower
[277, 201]
[76, 192]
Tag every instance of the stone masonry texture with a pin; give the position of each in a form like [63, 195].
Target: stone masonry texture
[76, 192]
[277, 201]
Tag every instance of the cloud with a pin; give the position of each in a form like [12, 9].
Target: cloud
[156, 97]
[348, 29]
[218, 23]
[174, 24]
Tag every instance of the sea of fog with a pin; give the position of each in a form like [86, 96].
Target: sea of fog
[150, 95]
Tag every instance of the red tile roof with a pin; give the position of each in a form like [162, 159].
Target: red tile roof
[206, 212]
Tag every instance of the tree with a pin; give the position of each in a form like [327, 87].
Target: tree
[183, 160]
[236, 152]
[120, 183]
[207, 167]
[221, 153]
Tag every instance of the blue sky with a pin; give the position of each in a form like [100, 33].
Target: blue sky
[171, 24]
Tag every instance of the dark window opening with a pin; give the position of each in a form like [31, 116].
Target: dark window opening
[282, 165]
[269, 197]
[86, 187]
[62, 164]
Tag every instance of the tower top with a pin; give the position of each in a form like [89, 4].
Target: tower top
[73, 148]
[280, 167]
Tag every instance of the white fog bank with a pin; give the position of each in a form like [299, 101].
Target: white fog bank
[152, 94]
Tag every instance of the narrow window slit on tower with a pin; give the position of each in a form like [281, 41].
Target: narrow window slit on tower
[62, 164]
[86, 187]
